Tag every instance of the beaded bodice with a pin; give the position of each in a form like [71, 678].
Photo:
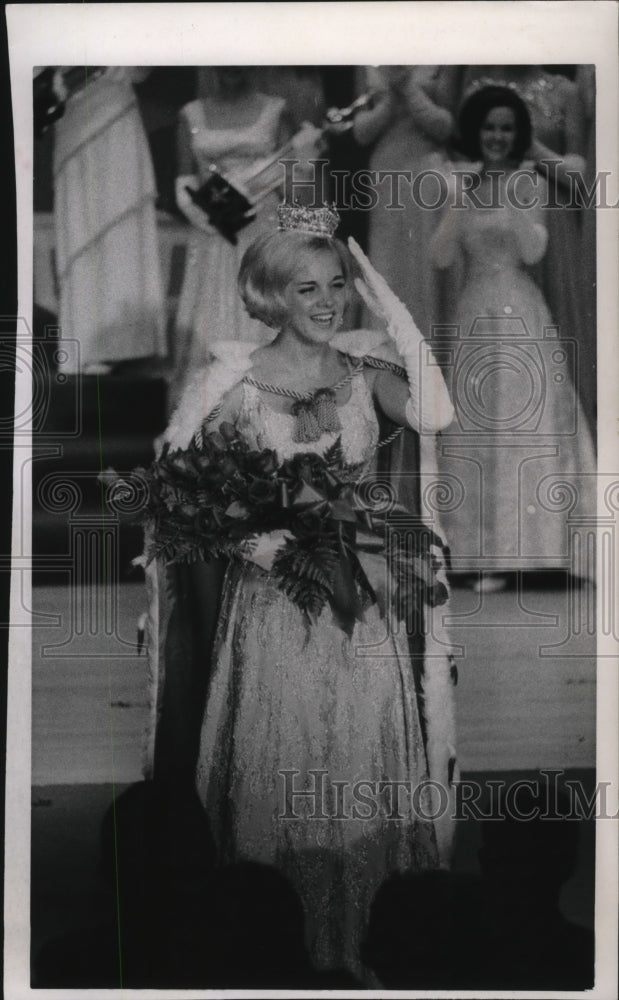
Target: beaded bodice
[490, 243]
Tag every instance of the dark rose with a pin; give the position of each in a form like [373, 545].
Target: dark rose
[305, 470]
[217, 441]
[207, 521]
[262, 491]
[228, 466]
[237, 531]
[204, 498]
[213, 480]
[312, 469]
[202, 461]
[161, 473]
[181, 464]
[227, 431]
[311, 521]
[261, 464]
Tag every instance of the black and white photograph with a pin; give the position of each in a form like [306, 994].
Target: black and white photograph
[312, 680]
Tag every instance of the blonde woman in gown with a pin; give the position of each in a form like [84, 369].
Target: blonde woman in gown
[520, 427]
[291, 709]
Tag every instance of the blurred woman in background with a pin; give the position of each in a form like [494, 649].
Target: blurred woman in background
[558, 150]
[411, 117]
[229, 126]
[521, 426]
[107, 251]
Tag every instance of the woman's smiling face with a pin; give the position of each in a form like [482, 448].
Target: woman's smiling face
[316, 296]
[497, 135]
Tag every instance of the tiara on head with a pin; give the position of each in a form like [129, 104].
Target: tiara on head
[489, 81]
[301, 219]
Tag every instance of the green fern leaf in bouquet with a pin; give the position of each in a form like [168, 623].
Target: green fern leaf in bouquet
[305, 568]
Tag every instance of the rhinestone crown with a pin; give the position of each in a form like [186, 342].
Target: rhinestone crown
[299, 218]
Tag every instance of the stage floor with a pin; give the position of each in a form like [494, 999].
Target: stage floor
[525, 701]
[525, 697]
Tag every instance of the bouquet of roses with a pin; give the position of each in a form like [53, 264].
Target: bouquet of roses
[218, 497]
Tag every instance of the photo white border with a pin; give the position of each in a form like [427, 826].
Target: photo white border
[312, 34]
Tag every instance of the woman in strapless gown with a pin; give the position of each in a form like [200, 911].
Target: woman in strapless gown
[521, 442]
[231, 129]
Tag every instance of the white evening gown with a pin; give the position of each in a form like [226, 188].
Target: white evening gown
[519, 457]
[210, 307]
[107, 249]
[399, 238]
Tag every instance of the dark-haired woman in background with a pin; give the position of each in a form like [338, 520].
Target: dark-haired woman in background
[559, 153]
[520, 427]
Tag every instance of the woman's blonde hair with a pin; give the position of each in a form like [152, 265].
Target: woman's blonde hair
[268, 267]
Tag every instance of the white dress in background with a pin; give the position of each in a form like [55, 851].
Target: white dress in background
[210, 306]
[107, 252]
[400, 229]
[519, 456]
[565, 276]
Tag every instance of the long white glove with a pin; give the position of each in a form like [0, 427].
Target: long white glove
[188, 207]
[527, 223]
[429, 408]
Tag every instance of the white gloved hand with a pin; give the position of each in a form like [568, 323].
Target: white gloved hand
[385, 305]
[428, 411]
[59, 86]
[119, 74]
[188, 207]
[266, 546]
[308, 141]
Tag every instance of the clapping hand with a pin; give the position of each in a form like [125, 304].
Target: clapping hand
[59, 87]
